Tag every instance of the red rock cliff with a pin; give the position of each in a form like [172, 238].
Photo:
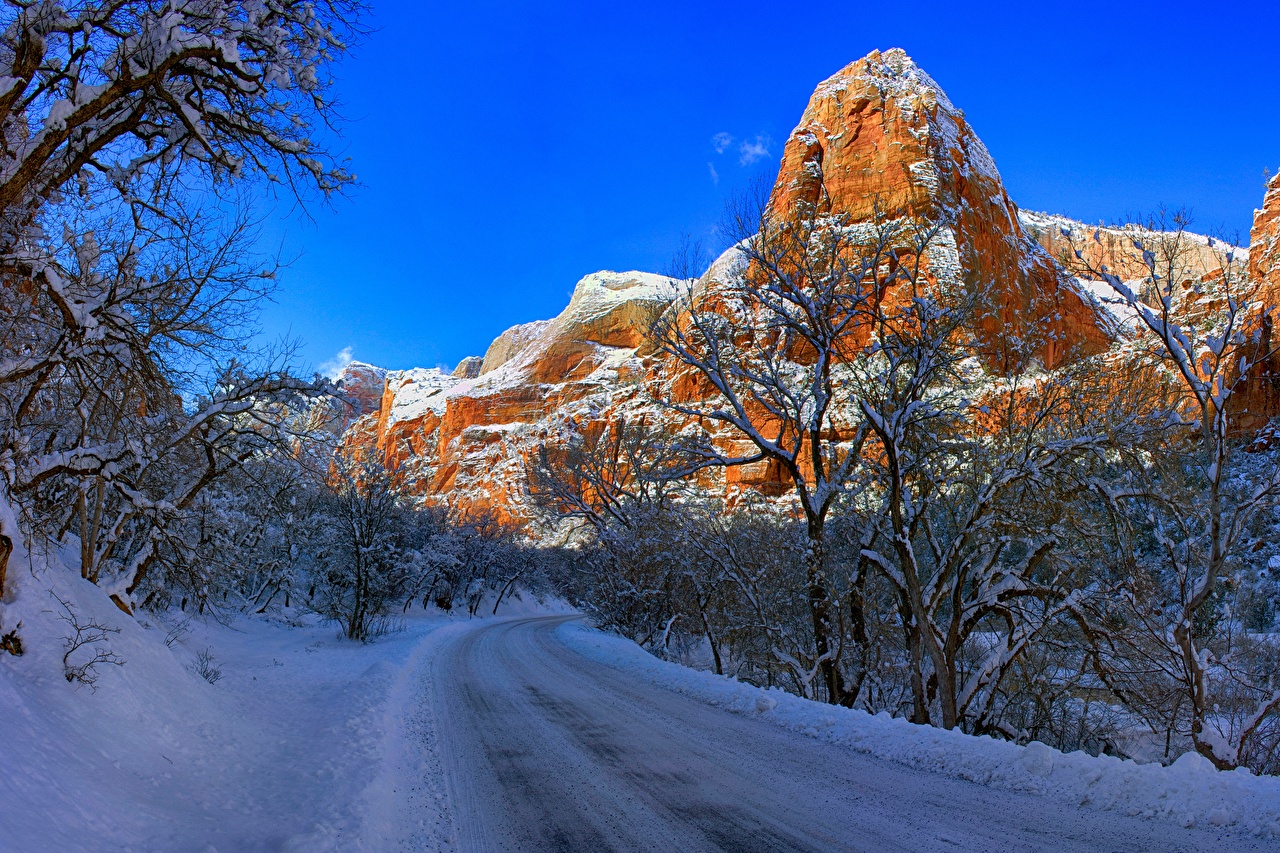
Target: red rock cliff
[878, 132]
[882, 132]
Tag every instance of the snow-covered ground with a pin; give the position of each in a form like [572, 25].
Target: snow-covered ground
[1189, 793]
[297, 745]
[458, 734]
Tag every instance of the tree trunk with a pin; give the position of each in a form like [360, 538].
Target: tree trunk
[355, 628]
[6, 548]
[911, 634]
[820, 610]
[711, 637]
[858, 631]
[509, 583]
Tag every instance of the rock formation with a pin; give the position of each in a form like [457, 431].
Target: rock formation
[363, 384]
[1264, 245]
[1261, 398]
[878, 135]
[469, 367]
[462, 439]
[881, 133]
[1114, 246]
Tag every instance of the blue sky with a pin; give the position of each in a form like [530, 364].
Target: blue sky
[504, 150]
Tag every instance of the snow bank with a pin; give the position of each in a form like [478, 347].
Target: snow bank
[288, 750]
[1190, 792]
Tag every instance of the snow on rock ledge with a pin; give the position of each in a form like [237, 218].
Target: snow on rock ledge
[461, 437]
[414, 393]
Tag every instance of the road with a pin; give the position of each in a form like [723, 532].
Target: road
[544, 749]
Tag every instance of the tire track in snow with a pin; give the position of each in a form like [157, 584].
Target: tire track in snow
[545, 749]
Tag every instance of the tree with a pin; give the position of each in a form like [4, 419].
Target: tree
[767, 336]
[604, 475]
[1202, 336]
[108, 91]
[361, 570]
[125, 284]
[967, 477]
[617, 481]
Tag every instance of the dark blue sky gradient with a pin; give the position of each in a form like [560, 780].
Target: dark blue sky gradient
[505, 150]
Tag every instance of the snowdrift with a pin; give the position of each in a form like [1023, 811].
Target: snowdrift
[288, 750]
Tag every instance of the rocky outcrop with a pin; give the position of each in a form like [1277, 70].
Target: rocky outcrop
[1264, 245]
[362, 385]
[608, 312]
[510, 344]
[469, 367]
[881, 138]
[1261, 398]
[359, 388]
[461, 437]
[1198, 256]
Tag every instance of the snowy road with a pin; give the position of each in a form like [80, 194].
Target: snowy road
[544, 749]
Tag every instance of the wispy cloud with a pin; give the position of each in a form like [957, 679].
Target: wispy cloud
[752, 150]
[715, 176]
[721, 142]
[334, 366]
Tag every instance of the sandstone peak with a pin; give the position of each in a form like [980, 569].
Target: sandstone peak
[881, 135]
[893, 66]
[511, 343]
[616, 308]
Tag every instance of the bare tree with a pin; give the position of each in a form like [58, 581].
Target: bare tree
[361, 572]
[766, 337]
[617, 481]
[87, 648]
[125, 285]
[112, 89]
[1204, 337]
[604, 474]
[962, 474]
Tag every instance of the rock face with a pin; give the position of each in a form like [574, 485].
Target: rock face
[881, 134]
[462, 439]
[361, 386]
[1264, 245]
[1261, 399]
[510, 343]
[363, 383]
[878, 135]
[1114, 248]
[469, 367]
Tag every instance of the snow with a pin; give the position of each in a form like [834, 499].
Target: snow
[1122, 312]
[310, 742]
[418, 391]
[292, 749]
[600, 293]
[1055, 223]
[306, 741]
[1189, 792]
